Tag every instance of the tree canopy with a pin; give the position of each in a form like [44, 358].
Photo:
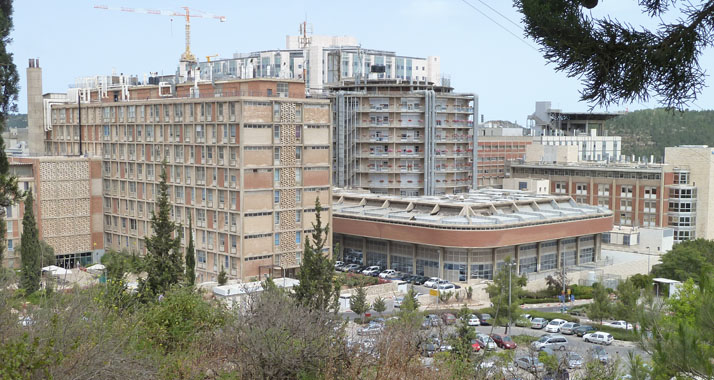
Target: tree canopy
[618, 62]
[31, 249]
[688, 259]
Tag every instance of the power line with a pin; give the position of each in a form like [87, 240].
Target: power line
[500, 14]
[502, 27]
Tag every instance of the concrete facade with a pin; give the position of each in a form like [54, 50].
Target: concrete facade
[245, 164]
[690, 197]
[35, 110]
[68, 201]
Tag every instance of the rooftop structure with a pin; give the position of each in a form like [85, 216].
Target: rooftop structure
[548, 121]
[321, 60]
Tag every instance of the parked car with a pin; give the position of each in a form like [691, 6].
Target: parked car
[419, 280]
[357, 269]
[434, 319]
[504, 341]
[347, 267]
[485, 319]
[523, 322]
[555, 342]
[583, 329]
[567, 328]
[371, 329]
[431, 281]
[448, 287]
[538, 323]
[475, 345]
[387, 273]
[398, 301]
[338, 264]
[372, 271]
[572, 360]
[529, 363]
[486, 342]
[554, 325]
[598, 353]
[473, 320]
[598, 337]
[620, 325]
[439, 283]
[448, 318]
[560, 374]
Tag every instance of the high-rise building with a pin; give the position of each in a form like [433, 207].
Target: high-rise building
[246, 159]
[403, 139]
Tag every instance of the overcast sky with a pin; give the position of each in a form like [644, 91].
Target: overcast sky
[72, 39]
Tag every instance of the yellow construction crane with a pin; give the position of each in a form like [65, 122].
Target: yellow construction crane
[188, 13]
[208, 57]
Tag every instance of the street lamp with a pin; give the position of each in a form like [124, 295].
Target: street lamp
[648, 259]
[510, 266]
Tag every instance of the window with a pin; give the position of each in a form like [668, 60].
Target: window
[626, 191]
[276, 197]
[276, 156]
[298, 237]
[277, 218]
[276, 133]
[277, 239]
[298, 216]
[298, 196]
[561, 187]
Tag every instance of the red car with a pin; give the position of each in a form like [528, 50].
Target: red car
[475, 345]
[504, 341]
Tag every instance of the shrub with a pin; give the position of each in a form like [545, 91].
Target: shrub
[619, 334]
[174, 321]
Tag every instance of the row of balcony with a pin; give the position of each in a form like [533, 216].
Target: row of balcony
[415, 108]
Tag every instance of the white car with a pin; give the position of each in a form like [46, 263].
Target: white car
[387, 273]
[398, 301]
[554, 325]
[371, 271]
[598, 337]
[447, 287]
[486, 342]
[473, 321]
[554, 342]
[431, 282]
[620, 325]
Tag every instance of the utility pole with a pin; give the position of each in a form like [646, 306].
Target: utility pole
[648, 259]
[510, 282]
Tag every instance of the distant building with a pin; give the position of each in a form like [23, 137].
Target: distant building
[322, 60]
[585, 130]
[467, 236]
[68, 208]
[674, 194]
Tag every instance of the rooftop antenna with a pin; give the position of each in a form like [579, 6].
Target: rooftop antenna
[305, 42]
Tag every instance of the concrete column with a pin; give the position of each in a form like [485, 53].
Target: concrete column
[598, 247]
[35, 109]
[414, 263]
[389, 254]
[517, 258]
[364, 251]
[441, 262]
[538, 257]
[577, 250]
[559, 254]
[468, 265]
[493, 255]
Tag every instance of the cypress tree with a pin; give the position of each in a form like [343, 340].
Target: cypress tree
[190, 256]
[30, 249]
[164, 264]
[317, 288]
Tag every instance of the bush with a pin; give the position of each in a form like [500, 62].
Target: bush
[582, 292]
[551, 316]
[619, 334]
[181, 314]
[524, 340]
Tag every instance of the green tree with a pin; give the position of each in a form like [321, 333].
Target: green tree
[47, 253]
[627, 296]
[679, 335]
[693, 258]
[498, 292]
[358, 301]
[190, 256]
[460, 359]
[317, 288]
[222, 276]
[164, 264]
[9, 192]
[31, 249]
[622, 62]
[379, 305]
[599, 309]
[410, 302]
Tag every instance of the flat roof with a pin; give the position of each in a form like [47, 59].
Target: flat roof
[251, 287]
[621, 166]
[484, 208]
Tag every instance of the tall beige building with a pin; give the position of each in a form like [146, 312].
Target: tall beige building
[246, 159]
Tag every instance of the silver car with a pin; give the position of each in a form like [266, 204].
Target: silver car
[567, 328]
[538, 323]
[554, 342]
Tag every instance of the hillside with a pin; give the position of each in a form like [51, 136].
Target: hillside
[17, 121]
[648, 132]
